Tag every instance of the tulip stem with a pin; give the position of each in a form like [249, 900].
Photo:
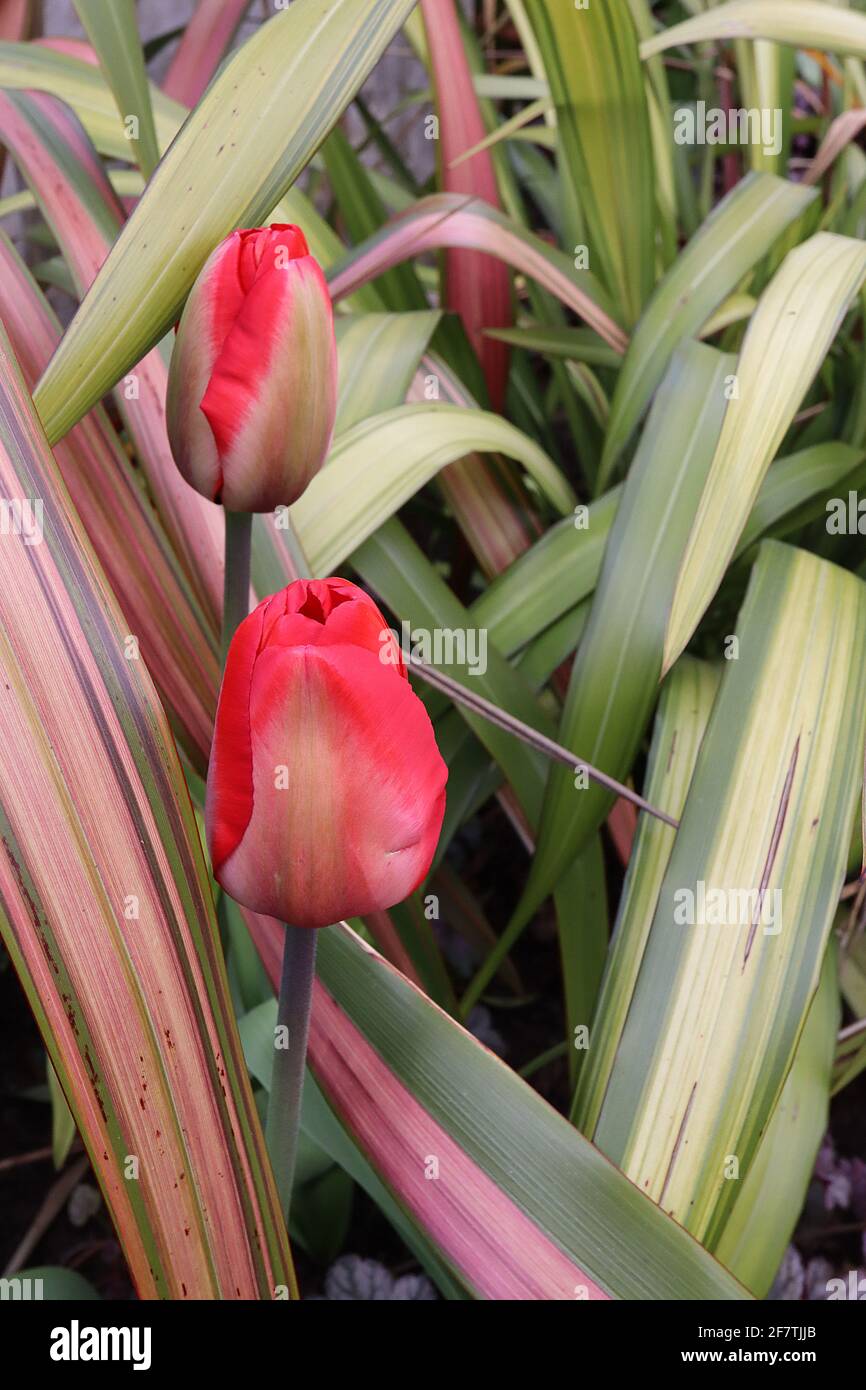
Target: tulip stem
[290, 1055]
[236, 589]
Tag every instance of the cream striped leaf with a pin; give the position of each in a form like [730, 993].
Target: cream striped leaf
[797, 318]
[718, 1009]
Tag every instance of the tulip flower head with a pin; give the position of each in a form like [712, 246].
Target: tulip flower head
[325, 791]
[253, 383]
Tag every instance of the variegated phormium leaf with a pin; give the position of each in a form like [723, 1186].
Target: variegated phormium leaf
[106, 911]
[737, 937]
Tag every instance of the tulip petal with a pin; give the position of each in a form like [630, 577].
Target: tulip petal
[253, 385]
[210, 310]
[259, 247]
[271, 398]
[348, 617]
[229, 802]
[348, 787]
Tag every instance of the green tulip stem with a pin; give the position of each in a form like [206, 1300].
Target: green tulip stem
[236, 590]
[290, 1055]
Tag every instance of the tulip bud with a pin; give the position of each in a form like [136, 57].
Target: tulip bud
[325, 791]
[252, 391]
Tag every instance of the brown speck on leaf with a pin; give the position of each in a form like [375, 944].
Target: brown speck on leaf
[671, 753]
[94, 1082]
[70, 1011]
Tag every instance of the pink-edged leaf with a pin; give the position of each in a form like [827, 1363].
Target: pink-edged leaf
[840, 133]
[73, 48]
[459, 1140]
[201, 48]
[16, 19]
[62, 168]
[472, 1220]
[387, 938]
[477, 286]
[497, 1251]
[164, 620]
[451, 220]
[622, 825]
[486, 494]
[106, 911]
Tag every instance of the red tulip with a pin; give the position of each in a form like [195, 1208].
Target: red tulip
[253, 384]
[326, 790]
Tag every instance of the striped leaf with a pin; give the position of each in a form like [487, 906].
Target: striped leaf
[684, 710]
[719, 1004]
[449, 220]
[201, 47]
[590, 55]
[804, 23]
[113, 32]
[248, 139]
[105, 909]
[61, 167]
[614, 681]
[56, 66]
[773, 1191]
[583, 1233]
[771, 1194]
[729, 243]
[796, 320]
[168, 626]
[574, 344]
[766, 72]
[377, 348]
[386, 458]
[486, 493]
[477, 286]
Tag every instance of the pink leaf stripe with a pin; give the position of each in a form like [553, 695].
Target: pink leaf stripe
[68, 181]
[486, 494]
[840, 133]
[142, 571]
[387, 938]
[499, 1251]
[105, 908]
[450, 220]
[202, 45]
[15, 19]
[73, 48]
[477, 285]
